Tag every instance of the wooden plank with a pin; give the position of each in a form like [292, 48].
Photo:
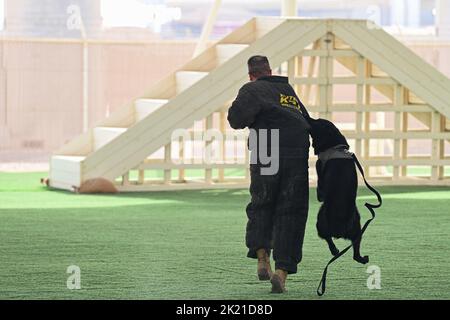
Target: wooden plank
[68, 164]
[404, 143]
[168, 159]
[308, 82]
[264, 25]
[389, 134]
[201, 108]
[385, 90]
[210, 60]
[332, 53]
[164, 89]
[104, 135]
[360, 74]
[349, 107]
[407, 68]
[437, 172]
[344, 80]
[186, 166]
[398, 52]
[227, 51]
[72, 179]
[398, 101]
[425, 161]
[330, 42]
[323, 98]
[292, 68]
[145, 107]
[310, 73]
[186, 79]
[222, 128]
[181, 172]
[366, 135]
[246, 34]
[141, 176]
[123, 117]
[126, 179]
[208, 126]
[79, 146]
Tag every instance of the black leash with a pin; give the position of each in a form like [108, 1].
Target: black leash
[322, 285]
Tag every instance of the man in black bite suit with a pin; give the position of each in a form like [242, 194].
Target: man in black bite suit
[278, 210]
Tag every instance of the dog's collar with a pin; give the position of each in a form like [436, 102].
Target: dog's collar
[337, 152]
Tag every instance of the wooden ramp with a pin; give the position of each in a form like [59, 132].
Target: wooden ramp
[135, 147]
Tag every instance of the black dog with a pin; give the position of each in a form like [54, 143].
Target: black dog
[337, 187]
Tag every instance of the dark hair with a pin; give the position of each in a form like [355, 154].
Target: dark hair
[258, 66]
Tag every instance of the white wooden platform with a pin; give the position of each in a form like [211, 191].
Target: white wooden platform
[196, 98]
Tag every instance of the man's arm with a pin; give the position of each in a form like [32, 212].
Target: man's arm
[244, 110]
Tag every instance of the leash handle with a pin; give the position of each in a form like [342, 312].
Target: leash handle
[322, 284]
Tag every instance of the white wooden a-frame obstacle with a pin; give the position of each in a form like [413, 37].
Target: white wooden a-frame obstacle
[137, 141]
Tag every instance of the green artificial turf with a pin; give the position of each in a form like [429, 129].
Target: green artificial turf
[190, 245]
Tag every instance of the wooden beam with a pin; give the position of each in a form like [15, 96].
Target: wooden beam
[208, 126]
[168, 159]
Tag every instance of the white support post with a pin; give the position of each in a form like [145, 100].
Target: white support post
[208, 144]
[167, 160]
[222, 147]
[141, 177]
[310, 74]
[325, 74]
[85, 86]
[366, 117]
[360, 74]
[207, 28]
[404, 142]
[437, 146]
[289, 8]
[292, 70]
[330, 39]
[399, 100]
[299, 73]
[85, 77]
[181, 172]
[126, 179]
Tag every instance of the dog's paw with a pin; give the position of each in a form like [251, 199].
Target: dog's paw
[362, 260]
[335, 251]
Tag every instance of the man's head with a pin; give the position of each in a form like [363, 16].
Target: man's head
[258, 66]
